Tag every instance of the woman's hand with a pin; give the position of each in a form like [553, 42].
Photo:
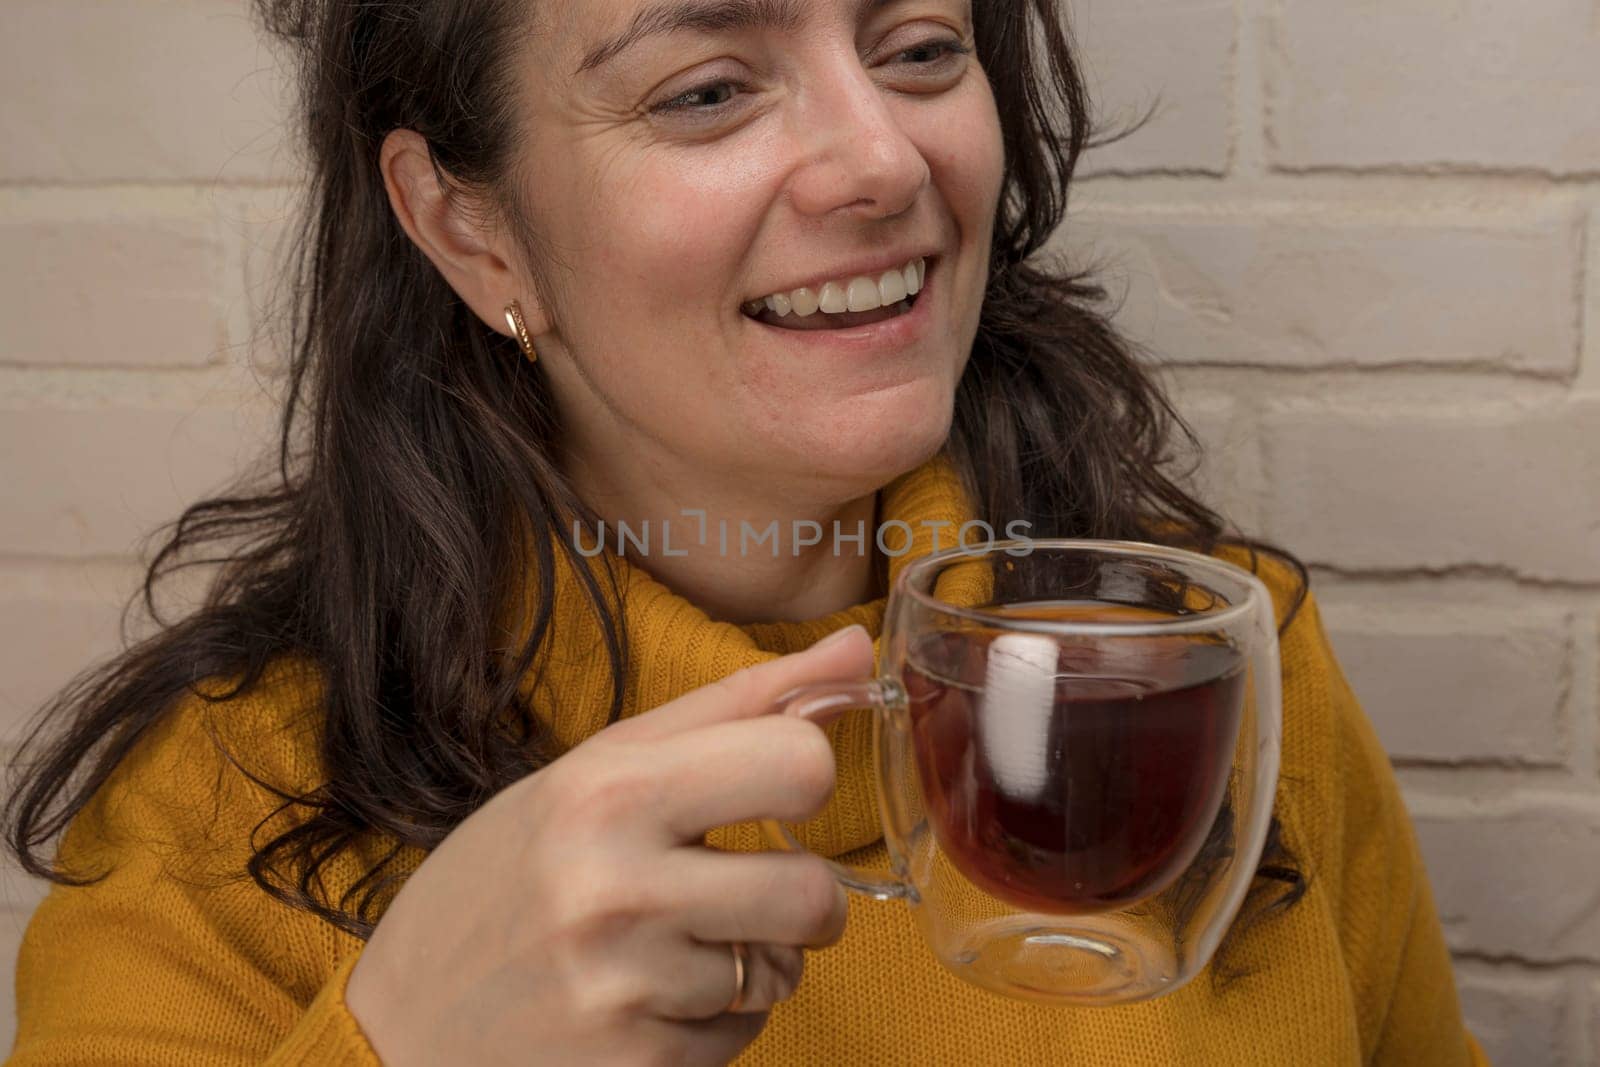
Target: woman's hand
[576, 918]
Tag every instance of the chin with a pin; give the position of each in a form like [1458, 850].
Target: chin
[879, 453]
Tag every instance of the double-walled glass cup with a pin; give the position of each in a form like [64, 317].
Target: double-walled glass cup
[1077, 751]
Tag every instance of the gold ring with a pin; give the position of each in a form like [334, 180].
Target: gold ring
[741, 973]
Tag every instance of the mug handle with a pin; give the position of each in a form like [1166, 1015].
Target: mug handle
[883, 696]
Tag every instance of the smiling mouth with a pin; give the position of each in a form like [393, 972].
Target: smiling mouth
[825, 320]
[842, 320]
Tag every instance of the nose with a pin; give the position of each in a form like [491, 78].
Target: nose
[856, 155]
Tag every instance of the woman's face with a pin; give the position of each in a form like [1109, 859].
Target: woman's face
[696, 169]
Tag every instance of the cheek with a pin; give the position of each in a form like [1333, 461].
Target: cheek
[967, 155]
[671, 250]
[680, 224]
[652, 261]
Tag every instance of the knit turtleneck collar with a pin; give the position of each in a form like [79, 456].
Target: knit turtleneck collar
[676, 647]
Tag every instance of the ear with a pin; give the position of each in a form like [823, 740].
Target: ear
[477, 263]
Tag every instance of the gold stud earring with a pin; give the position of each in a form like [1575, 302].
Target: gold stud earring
[519, 330]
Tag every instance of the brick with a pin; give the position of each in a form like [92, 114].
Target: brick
[12, 926]
[99, 90]
[1517, 884]
[95, 481]
[1517, 1018]
[1443, 688]
[20, 891]
[1413, 83]
[1228, 478]
[52, 634]
[1506, 487]
[265, 230]
[1176, 54]
[1593, 1036]
[1346, 291]
[109, 291]
[1589, 370]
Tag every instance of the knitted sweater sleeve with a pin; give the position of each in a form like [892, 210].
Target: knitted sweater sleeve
[1396, 960]
[167, 959]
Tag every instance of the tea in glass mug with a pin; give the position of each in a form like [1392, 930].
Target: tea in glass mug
[1077, 751]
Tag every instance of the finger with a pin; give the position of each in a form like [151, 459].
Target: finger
[845, 655]
[774, 975]
[706, 977]
[770, 767]
[780, 898]
[703, 1041]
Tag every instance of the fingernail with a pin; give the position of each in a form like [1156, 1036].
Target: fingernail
[838, 636]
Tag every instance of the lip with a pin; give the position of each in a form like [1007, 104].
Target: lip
[898, 332]
[874, 268]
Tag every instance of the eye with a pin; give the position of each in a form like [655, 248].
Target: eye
[944, 50]
[684, 102]
[947, 51]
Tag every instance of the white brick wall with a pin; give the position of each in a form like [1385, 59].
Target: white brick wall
[1366, 237]
[1496, 682]
[1189, 129]
[1471, 85]
[1267, 285]
[1506, 892]
[102, 91]
[70, 286]
[1518, 1018]
[1384, 319]
[1486, 485]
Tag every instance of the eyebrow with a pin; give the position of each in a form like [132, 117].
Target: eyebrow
[711, 16]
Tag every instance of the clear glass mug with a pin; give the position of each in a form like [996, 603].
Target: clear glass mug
[1076, 756]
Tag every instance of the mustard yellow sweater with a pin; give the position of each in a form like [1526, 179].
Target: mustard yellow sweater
[178, 958]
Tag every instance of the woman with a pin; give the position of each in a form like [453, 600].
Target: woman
[426, 781]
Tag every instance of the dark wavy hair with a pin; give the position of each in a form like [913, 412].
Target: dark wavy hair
[416, 456]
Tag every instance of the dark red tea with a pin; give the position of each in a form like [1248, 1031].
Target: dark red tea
[1071, 775]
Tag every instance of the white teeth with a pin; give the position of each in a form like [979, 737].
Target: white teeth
[831, 299]
[863, 295]
[893, 286]
[857, 294]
